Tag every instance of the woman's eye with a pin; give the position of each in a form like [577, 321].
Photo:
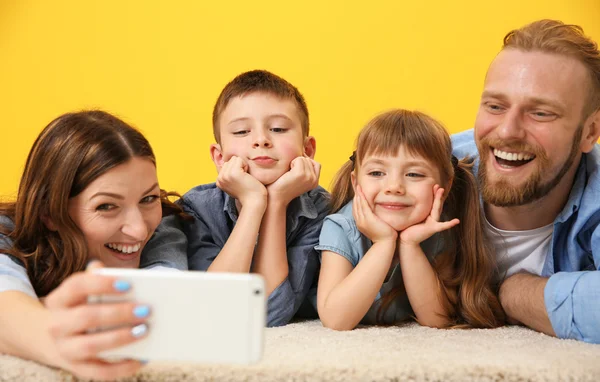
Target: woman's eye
[106, 207]
[149, 199]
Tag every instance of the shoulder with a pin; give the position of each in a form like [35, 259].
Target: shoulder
[9, 225]
[203, 197]
[320, 198]
[463, 144]
[342, 222]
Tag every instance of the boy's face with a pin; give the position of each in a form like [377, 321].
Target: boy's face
[265, 131]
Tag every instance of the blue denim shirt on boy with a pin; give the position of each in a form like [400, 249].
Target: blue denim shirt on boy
[215, 215]
[341, 235]
[573, 262]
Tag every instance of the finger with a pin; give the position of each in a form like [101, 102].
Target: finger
[88, 346]
[442, 226]
[94, 264]
[436, 209]
[92, 316]
[356, 208]
[77, 287]
[106, 371]
[316, 167]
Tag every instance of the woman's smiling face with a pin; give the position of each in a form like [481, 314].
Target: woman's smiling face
[118, 212]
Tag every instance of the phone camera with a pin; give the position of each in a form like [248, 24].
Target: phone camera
[257, 291]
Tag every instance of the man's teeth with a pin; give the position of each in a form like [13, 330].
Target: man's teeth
[512, 156]
[124, 248]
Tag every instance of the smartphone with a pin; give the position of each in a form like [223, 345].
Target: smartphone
[195, 316]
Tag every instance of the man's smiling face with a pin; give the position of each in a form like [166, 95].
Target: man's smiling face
[529, 125]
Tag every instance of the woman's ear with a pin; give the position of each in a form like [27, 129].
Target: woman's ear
[49, 223]
[310, 147]
[216, 155]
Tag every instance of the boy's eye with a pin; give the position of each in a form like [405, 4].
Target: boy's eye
[240, 132]
[106, 207]
[149, 199]
[278, 129]
[376, 173]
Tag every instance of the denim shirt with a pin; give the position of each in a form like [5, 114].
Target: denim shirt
[341, 236]
[573, 260]
[215, 215]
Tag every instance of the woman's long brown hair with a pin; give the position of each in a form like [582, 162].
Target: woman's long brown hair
[69, 154]
[466, 267]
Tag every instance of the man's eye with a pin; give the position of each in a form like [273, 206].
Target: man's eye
[106, 207]
[543, 115]
[493, 108]
[149, 199]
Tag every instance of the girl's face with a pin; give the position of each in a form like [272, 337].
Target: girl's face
[118, 212]
[399, 189]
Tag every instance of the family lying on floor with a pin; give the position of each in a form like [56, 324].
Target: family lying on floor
[492, 226]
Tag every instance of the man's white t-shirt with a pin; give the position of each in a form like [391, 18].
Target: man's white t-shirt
[520, 250]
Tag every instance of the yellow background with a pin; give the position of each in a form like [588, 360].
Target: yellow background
[161, 65]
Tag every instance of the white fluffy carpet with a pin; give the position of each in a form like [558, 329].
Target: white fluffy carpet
[306, 351]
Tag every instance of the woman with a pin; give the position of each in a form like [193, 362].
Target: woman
[89, 191]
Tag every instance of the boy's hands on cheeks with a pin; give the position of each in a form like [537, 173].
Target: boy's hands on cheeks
[72, 319]
[368, 223]
[417, 233]
[234, 179]
[302, 177]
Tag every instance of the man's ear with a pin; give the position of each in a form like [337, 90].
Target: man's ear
[591, 132]
[217, 155]
[49, 223]
[310, 147]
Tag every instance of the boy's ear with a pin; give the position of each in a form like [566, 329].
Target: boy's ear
[310, 147]
[591, 132]
[217, 155]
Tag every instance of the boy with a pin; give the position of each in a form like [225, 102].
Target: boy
[265, 211]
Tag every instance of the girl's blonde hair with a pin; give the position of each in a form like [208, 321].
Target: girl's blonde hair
[466, 267]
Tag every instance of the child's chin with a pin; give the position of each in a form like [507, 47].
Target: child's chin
[267, 178]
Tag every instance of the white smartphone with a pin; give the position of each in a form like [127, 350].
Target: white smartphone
[195, 316]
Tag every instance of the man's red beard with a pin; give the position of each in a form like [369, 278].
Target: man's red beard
[504, 193]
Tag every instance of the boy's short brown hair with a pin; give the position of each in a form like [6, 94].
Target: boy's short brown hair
[259, 81]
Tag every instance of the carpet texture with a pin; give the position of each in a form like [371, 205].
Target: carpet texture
[306, 351]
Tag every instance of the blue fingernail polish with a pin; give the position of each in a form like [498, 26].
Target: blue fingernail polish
[141, 311]
[121, 285]
[143, 361]
[139, 330]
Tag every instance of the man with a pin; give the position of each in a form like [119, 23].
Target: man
[539, 174]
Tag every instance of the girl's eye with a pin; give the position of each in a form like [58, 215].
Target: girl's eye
[106, 207]
[376, 173]
[414, 175]
[149, 199]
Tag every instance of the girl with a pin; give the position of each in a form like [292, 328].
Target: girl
[385, 254]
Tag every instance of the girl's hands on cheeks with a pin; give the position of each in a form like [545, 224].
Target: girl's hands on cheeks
[417, 233]
[234, 179]
[73, 320]
[302, 177]
[368, 223]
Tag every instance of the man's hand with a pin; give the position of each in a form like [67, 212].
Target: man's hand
[302, 177]
[234, 179]
[368, 223]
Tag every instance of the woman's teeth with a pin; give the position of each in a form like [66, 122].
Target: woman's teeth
[124, 248]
